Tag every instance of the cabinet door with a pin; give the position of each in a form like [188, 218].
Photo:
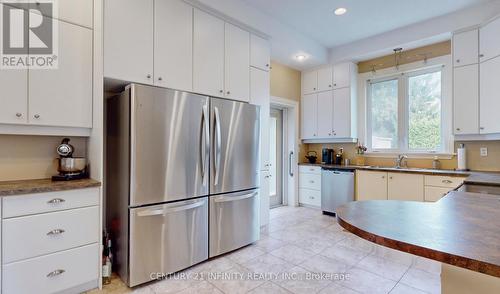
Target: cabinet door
[466, 48]
[309, 106]
[259, 95]
[237, 63]
[208, 54]
[371, 185]
[264, 197]
[325, 114]
[73, 11]
[342, 113]
[260, 53]
[310, 82]
[466, 99]
[325, 79]
[63, 96]
[489, 96]
[342, 75]
[173, 54]
[433, 194]
[128, 40]
[405, 187]
[14, 97]
[489, 42]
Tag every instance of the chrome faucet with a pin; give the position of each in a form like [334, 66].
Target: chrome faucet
[400, 160]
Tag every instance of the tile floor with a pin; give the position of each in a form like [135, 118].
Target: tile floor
[302, 251]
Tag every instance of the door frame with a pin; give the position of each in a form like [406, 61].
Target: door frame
[291, 144]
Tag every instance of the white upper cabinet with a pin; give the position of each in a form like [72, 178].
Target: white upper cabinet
[309, 82]
[63, 96]
[325, 79]
[309, 121]
[128, 40]
[466, 48]
[325, 114]
[342, 114]
[237, 63]
[78, 12]
[14, 97]
[490, 96]
[342, 75]
[259, 95]
[260, 53]
[489, 40]
[466, 99]
[208, 54]
[173, 45]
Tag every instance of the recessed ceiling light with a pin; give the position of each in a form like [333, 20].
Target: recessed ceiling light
[300, 57]
[340, 11]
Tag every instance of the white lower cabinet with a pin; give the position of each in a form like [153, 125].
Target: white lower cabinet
[310, 197]
[50, 242]
[433, 194]
[438, 186]
[409, 187]
[310, 186]
[371, 185]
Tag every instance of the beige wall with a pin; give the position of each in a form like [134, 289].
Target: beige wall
[285, 81]
[32, 157]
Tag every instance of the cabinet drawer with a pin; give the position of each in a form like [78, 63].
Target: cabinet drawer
[52, 273]
[310, 197]
[443, 181]
[30, 236]
[48, 202]
[309, 169]
[433, 194]
[310, 181]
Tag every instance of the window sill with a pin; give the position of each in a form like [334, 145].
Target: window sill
[411, 155]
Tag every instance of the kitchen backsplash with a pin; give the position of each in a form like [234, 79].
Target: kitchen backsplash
[32, 157]
[474, 160]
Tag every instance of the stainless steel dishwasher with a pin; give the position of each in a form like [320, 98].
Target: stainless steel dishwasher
[337, 188]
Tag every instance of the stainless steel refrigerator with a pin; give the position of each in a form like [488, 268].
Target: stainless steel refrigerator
[181, 179]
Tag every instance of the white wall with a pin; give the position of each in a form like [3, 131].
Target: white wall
[416, 35]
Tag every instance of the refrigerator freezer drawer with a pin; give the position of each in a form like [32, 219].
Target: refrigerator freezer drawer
[167, 238]
[234, 221]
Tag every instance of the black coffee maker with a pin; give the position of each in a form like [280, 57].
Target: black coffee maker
[327, 156]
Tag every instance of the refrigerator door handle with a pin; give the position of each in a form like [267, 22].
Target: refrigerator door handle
[165, 211]
[217, 145]
[205, 148]
[234, 198]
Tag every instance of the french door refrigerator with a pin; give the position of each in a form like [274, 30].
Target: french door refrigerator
[181, 179]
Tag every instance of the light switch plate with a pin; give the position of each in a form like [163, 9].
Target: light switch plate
[484, 151]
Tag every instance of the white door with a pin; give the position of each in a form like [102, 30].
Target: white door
[489, 100]
[237, 63]
[173, 54]
[325, 114]
[260, 52]
[309, 82]
[409, 187]
[276, 157]
[341, 75]
[63, 96]
[342, 113]
[259, 95]
[489, 41]
[309, 106]
[371, 185]
[128, 40]
[208, 54]
[466, 48]
[14, 97]
[466, 99]
[325, 78]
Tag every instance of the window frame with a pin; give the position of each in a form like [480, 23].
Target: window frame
[404, 112]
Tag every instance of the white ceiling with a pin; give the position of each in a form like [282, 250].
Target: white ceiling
[364, 18]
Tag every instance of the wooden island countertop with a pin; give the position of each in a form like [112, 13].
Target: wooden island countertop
[461, 229]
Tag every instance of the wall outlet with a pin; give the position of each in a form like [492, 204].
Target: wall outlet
[484, 151]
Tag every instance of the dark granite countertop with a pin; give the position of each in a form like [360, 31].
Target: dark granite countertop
[461, 229]
[472, 177]
[10, 188]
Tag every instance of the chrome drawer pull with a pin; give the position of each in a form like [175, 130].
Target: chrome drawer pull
[446, 181]
[55, 232]
[56, 201]
[55, 273]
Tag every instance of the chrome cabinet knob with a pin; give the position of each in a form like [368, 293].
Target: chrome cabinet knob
[311, 197]
[267, 65]
[335, 85]
[314, 89]
[481, 55]
[55, 273]
[37, 116]
[228, 92]
[160, 78]
[148, 76]
[221, 91]
[458, 60]
[55, 232]
[458, 129]
[383, 177]
[56, 201]
[329, 86]
[19, 114]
